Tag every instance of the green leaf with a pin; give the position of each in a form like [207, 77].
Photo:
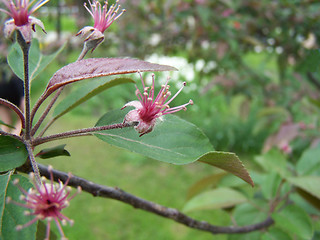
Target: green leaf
[275, 234]
[173, 141]
[13, 215]
[204, 184]
[215, 199]
[41, 232]
[85, 92]
[250, 213]
[270, 184]
[247, 236]
[311, 62]
[273, 160]
[53, 152]
[309, 184]
[13, 153]
[314, 201]
[228, 162]
[37, 61]
[4, 181]
[309, 163]
[294, 220]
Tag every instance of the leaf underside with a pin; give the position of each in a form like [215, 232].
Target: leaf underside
[100, 67]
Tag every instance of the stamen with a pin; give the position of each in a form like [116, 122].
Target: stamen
[184, 84]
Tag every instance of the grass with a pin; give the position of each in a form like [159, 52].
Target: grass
[97, 218]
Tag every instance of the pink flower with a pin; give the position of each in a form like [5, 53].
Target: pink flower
[227, 12]
[150, 107]
[285, 148]
[103, 18]
[20, 17]
[46, 202]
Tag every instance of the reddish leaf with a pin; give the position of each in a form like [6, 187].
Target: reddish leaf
[287, 132]
[100, 67]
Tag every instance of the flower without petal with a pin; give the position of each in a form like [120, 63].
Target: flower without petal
[149, 108]
[21, 18]
[46, 202]
[103, 18]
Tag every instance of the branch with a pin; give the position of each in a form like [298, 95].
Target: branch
[80, 132]
[171, 213]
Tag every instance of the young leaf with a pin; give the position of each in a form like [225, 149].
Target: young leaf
[214, 199]
[173, 141]
[86, 92]
[13, 153]
[100, 67]
[53, 152]
[38, 62]
[294, 220]
[13, 215]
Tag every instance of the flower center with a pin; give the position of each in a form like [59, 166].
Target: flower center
[21, 17]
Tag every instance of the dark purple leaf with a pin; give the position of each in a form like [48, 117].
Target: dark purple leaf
[100, 67]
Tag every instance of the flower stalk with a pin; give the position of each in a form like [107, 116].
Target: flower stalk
[80, 132]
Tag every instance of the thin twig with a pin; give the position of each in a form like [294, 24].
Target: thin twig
[170, 213]
[15, 109]
[80, 132]
[45, 113]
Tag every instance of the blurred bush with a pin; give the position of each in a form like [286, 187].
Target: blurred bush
[247, 60]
